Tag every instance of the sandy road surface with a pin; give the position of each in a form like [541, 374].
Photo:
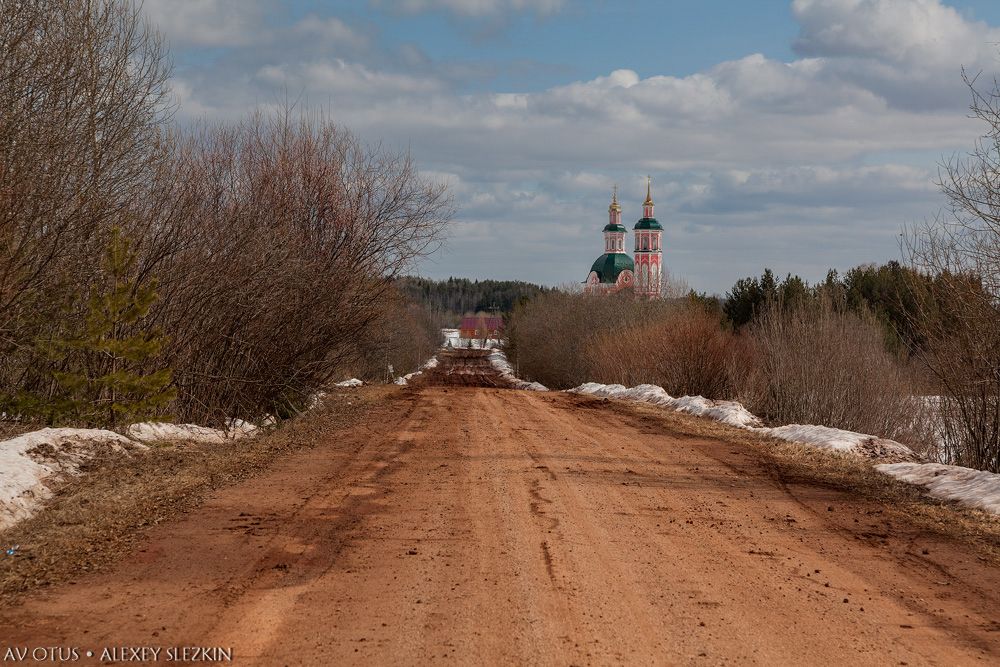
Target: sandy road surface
[486, 525]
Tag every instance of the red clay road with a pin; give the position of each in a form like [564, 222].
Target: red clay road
[493, 526]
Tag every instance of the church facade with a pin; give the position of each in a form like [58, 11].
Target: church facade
[615, 271]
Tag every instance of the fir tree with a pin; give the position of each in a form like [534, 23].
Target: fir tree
[105, 380]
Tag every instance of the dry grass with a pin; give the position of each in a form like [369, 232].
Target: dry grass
[791, 464]
[99, 517]
[13, 429]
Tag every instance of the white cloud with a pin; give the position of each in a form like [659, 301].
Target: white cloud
[215, 23]
[329, 30]
[340, 77]
[909, 51]
[799, 165]
[803, 186]
[906, 32]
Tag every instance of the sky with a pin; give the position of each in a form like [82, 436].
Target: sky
[799, 136]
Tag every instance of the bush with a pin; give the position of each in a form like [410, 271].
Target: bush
[819, 365]
[961, 353]
[814, 362]
[549, 336]
[404, 336]
[687, 352]
[563, 340]
[280, 257]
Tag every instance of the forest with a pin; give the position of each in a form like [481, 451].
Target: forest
[450, 299]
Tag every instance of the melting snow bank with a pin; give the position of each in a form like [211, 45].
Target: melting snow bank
[734, 414]
[727, 412]
[839, 440]
[147, 432]
[31, 464]
[353, 382]
[500, 362]
[430, 363]
[975, 488]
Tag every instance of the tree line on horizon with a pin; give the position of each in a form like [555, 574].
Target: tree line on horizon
[451, 299]
[872, 287]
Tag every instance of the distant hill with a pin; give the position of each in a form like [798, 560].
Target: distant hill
[455, 297]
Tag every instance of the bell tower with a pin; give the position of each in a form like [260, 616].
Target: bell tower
[614, 231]
[648, 250]
[612, 271]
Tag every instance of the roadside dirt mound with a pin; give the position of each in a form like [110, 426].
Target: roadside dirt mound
[463, 368]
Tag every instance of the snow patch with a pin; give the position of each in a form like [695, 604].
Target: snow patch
[500, 362]
[32, 464]
[734, 414]
[147, 432]
[839, 440]
[353, 382]
[453, 340]
[975, 488]
[430, 363]
[727, 412]
[239, 428]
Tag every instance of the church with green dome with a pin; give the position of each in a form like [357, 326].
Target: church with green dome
[615, 271]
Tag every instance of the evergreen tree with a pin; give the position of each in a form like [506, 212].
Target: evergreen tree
[455, 297]
[102, 377]
[743, 301]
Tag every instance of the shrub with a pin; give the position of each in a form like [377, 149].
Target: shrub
[961, 353]
[549, 336]
[819, 365]
[687, 352]
[404, 336]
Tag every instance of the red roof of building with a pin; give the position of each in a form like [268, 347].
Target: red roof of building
[474, 322]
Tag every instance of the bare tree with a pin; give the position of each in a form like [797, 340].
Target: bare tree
[272, 241]
[959, 307]
[289, 235]
[82, 109]
[817, 364]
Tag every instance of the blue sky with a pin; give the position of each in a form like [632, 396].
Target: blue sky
[795, 135]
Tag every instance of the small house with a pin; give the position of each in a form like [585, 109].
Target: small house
[481, 326]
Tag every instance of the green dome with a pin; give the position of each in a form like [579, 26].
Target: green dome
[609, 265]
[615, 228]
[648, 223]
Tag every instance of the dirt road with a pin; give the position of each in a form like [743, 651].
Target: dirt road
[485, 525]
